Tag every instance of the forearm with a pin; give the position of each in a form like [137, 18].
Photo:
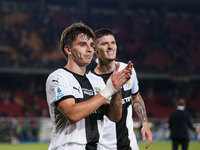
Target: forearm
[139, 107]
[113, 109]
[77, 111]
[190, 125]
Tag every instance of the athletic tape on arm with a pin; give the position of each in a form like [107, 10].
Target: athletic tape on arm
[109, 90]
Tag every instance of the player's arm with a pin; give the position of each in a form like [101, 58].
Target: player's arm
[77, 111]
[190, 125]
[113, 108]
[139, 107]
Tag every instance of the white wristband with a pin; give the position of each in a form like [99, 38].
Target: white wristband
[109, 90]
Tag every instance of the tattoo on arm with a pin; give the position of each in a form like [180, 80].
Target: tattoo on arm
[116, 102]
[114, 106]
[139, 108]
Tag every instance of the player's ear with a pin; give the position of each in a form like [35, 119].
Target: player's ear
[67, 49]
[95, 50]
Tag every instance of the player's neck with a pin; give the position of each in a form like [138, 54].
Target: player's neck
[76, 68]
[104, 68]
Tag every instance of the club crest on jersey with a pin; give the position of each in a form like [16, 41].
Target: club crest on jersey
[127, 85]
[59, 93]
[97, 90]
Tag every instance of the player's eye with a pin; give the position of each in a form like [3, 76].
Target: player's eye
[113, 42]
[82, 44]
[103, 43]
[92, 44]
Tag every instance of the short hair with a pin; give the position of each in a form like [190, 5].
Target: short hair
[181, 102]
[102, 32]
[70, 34]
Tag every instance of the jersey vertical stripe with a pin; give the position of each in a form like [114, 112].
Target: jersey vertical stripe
[92, 133]
[123, 141]
[61, 85]
[120, 135]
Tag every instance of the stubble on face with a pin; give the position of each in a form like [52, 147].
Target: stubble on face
[82, 49]
[106, 48]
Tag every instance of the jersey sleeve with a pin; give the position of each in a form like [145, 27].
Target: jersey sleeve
[135, 86]
[58, 88]
[133, 81]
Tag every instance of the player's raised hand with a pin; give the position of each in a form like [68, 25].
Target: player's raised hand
[146, 132]
[119, 78]
[197, 130]
[116, 80]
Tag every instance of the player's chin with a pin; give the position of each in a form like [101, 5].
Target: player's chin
[87, 62]
[111, 59]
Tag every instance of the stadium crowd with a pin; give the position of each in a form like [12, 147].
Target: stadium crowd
[156, 41]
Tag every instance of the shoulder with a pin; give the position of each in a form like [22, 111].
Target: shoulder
[90, 74]
[122, 65]
[93, 76]
[173, 113]
[58, 72]
[58, 76]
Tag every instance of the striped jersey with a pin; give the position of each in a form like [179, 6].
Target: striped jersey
[86, 133]
[120, 135]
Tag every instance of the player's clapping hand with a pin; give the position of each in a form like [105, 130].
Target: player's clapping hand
[119, 78]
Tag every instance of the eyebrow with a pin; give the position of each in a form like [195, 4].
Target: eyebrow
[107, 42]
[82, 42]
[103, 42]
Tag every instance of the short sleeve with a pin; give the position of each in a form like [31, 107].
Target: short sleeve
[57, 87]
[135, 86]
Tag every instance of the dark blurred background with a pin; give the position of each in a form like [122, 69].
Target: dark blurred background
[161, 38]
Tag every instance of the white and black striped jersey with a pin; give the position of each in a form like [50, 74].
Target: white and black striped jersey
[86, 133]
[120, 135]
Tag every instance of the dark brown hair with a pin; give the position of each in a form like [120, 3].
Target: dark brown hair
[181, 102]
[102, 32]
[70, 34]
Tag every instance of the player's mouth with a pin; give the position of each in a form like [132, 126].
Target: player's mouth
[110, 52]
[88, 56]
